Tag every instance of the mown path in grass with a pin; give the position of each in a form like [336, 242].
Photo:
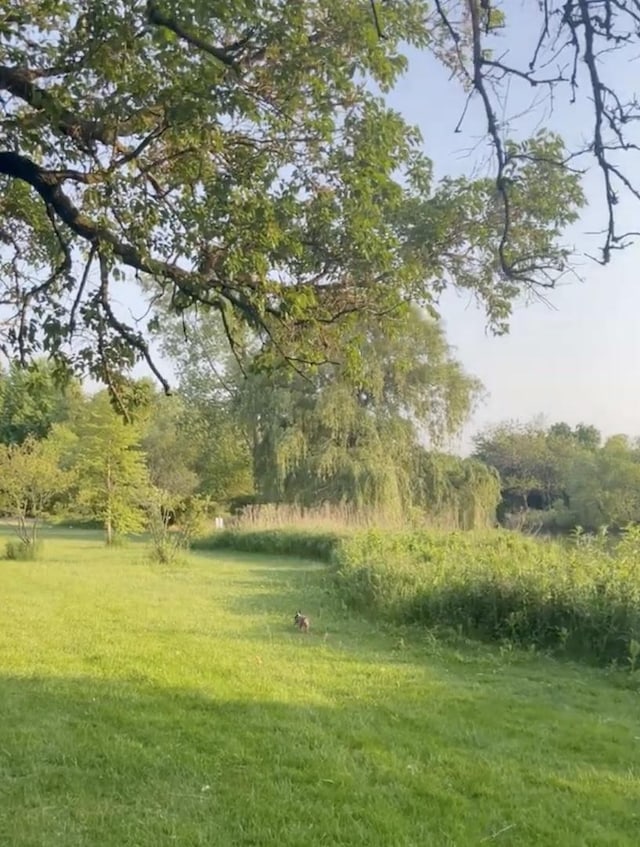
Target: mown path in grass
[147, 706]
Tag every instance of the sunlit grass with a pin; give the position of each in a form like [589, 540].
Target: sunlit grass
[155, 706]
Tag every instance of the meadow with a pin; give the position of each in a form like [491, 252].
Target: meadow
[146, 705]
[579, 598]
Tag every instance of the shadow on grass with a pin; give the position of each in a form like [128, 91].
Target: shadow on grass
[125, 763]
[259, 561]
[81, 535]
[281, 592]
[274, 587]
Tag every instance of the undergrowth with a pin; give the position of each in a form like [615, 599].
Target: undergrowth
[23, 550]
[319, 546]
[581, 600]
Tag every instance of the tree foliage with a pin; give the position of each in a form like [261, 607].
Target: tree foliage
[112, 478]
[461, 493]
[348, 433]
[31, 478]
[582, 435]
[368, 437]
[565, 475]
[210, 381]
[604, 486]
[350, 437]
[235, 157]
[170, 454]
[32, 400]
[533, 462]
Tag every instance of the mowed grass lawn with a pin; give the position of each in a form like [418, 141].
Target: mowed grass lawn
[152, 706]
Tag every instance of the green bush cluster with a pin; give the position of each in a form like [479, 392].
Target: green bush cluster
[319, 546]
[20, 550]
[577, 599]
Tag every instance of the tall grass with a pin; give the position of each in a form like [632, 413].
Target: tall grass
[331, 517]
[580, 600]
[316, 545]
[327, 516]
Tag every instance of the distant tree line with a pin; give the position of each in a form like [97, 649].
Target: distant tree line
[367, 433]
[559, 477]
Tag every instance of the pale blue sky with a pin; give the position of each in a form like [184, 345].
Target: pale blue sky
[577, 359]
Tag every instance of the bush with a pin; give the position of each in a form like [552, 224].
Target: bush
[23, 551]
[319, 546]
[167, 549]
[170, 542]
[77, 522]
[580, 599]
[559, 519]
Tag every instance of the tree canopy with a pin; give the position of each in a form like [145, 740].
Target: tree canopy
[369, 444]
[241, 158]
[336, 438]
[31, 478]
[112, 477]
[32, 400]
[338, 435]
[564, 475]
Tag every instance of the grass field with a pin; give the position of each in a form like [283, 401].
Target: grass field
[148, 706]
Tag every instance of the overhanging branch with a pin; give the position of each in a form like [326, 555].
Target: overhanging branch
[206, 288]
[582, 40]
[158, 18]
[19, 82]
[47, 184]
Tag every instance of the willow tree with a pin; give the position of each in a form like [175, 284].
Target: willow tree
[345, 436]
[234, 157]
[207, 423]
[454, 492]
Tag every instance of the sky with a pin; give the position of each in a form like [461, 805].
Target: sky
[575, 358]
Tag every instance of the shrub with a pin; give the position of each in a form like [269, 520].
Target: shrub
[23, 551]
[559, 519]
[167, 546]
[277, 542]
[581, 600]
[170, 542]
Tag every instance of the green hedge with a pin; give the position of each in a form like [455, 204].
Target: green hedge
[579, 600]
[18, 550]
[319, 546]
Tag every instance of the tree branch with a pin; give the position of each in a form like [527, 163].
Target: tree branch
[132, 338]
[47, 184]
[577, 36]
[195, 285]
[494, 133]
[18, 82]
[158, 18]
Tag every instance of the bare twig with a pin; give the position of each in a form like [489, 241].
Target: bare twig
[133, 339]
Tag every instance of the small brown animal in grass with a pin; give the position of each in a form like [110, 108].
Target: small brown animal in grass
[302, 622]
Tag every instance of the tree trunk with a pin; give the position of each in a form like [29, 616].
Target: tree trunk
[108, 521]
